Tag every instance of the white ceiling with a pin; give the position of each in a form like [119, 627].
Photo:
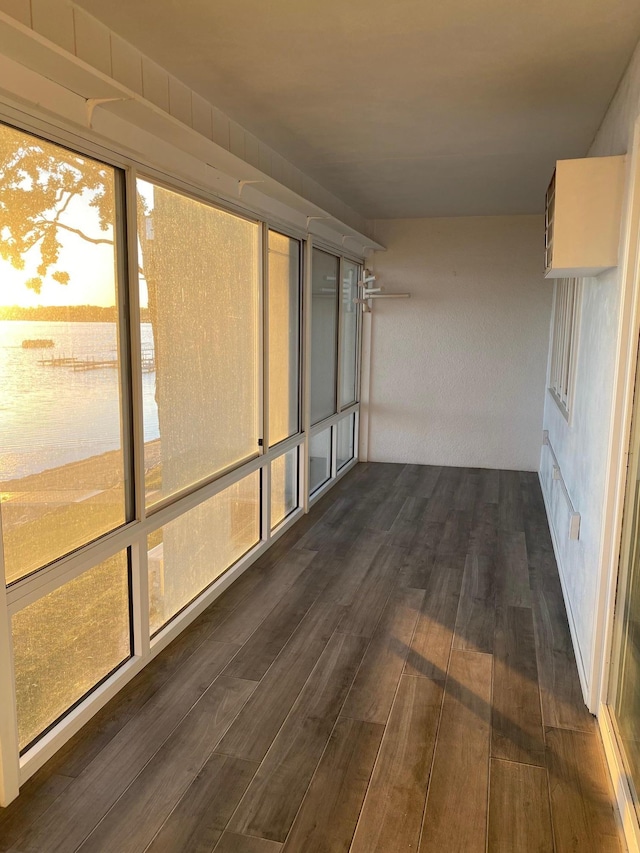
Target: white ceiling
[405, 108]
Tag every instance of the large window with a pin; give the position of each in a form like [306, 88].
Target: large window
[324, 334]
[566, 312]
[190, 552]
[349, 333]
[63, 466]
[152, 432]
[67, 642]
[284, 486]
[200, 334]
[284, 336]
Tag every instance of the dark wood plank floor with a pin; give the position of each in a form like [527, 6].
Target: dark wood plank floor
[395, 674]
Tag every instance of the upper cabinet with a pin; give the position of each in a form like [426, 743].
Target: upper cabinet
[582, 216]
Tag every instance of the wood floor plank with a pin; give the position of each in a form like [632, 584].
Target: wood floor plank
[456, 813]
[483, 536]
[77, 811]
[417, 481]
[363, 614]
[517, 733]
[433, 637]
[371, 695]
[512, 572]
[202, 814]
[36, 796]
[490, 486]
[392, 812]
[258, 723]
[233, 843]
[329, 812]
[271, 802]
[345, 575]
[519, 813]
[443, 497]
[581, 799]
[466, 496]
[453, 545]
[243, 621]
[384, 514]
[138, 815]
[475, 620]
[408, 521]
[266, 643]
[510, 513]
[420, 556]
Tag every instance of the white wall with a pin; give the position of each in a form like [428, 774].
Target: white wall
[458, 370]
[582, 445]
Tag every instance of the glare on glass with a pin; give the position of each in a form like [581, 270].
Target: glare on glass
[324, 334]
[199, 288]
[349, 334]
[284, 486]
[319, 459]
[190, 552]
[67, 642]
[62, 468]
[284, 336]
[345, 441]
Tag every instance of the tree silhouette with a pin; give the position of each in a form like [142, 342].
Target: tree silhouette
[37, 187]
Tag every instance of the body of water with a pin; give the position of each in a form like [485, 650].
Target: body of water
[50, 416]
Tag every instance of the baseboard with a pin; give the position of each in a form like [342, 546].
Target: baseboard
[584, 681]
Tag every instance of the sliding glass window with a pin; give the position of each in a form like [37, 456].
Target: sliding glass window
[284, 337]
[199, 288]
[349, 333]
[324, 334]
[67, 642]
[63, 452]
[284, 486]
[190, 552]
[133, 465]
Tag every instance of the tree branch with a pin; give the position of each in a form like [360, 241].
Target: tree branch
[95, 240]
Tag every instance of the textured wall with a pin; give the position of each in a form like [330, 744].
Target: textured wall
[581, 446]
[457, 371]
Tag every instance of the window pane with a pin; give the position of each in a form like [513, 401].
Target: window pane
[189, 553]
[349, 333]
[284, 336]
[319, 459]
[199, 302]
[324, 335]
[284, 486]
[67, 642]
[62, 480]
[345, 441]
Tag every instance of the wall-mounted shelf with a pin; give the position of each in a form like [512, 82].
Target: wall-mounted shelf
[582, 216]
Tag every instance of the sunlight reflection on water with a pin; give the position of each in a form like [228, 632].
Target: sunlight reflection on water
[50, 416]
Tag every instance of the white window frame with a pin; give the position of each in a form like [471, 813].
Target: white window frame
[564, 342]
[16, 769]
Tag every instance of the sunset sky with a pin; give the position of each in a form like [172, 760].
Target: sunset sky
[91, 267]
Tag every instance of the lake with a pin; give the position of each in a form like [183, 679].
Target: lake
[50, 416]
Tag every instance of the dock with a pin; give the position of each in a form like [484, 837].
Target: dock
[91, 363]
